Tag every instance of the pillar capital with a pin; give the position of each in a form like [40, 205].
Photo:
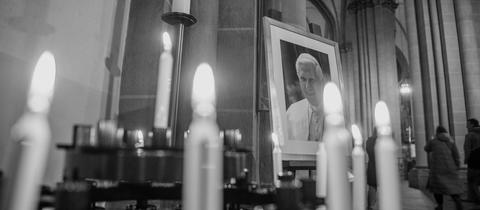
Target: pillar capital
[389, 4]
[358, 5]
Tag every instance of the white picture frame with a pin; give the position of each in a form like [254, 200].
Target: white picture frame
[280, 40]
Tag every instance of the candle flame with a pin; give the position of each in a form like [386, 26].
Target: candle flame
[203, 91]
[42, 85]
[275, 140]
[332, 104]
[167, 42]
[140, 141]
[332, 100]
[382, 116]
[357, 136]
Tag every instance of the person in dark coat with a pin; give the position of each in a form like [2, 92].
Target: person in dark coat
[471, 148]
[371, 170]
[444, 164]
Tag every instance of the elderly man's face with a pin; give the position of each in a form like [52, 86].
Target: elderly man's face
[310, 83]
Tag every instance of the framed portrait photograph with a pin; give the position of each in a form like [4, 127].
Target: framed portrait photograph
[299, 64]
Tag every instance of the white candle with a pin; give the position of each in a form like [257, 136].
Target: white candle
[162, 101]
[203, 156]
[277, 160]
[32, 135]
[386, 159]
[359, 181]
[336, 139]
[182, 6]
[321, 167]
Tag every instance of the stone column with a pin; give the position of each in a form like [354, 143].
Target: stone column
[415, 69]
[388, 85]
[469, 56]
[200, 45]
[438, 63]
[375, 49]
[440, 75]
[456, 96]
[363, 33]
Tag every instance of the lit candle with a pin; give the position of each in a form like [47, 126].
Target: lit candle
[386, 159]
[321, 167]
[359, 183]
[203, 156]
[336, 138]
[32, 135]
[139, 141]
[182, 6]
[277, 159]
[163, 84]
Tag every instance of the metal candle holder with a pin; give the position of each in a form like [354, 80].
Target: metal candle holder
[182, 20]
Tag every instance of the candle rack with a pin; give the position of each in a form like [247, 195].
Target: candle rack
[115, 167]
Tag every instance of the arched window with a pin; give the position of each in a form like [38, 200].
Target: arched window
[319, 20]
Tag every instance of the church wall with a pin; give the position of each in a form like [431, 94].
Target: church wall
[224, 36]
[476, 21]
[78, 34]
[140, 67]
[236, 73]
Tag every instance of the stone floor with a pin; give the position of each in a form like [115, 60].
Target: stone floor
[413, 199]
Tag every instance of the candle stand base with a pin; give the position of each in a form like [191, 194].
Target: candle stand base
[174, 18]
[84, 194]
[149, 173]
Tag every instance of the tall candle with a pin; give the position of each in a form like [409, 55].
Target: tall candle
[32, 135]
[336, 138]
[203, 159]
[359, 182]
[182, 6]
[164, 84]
[386, 159]
[321, 167]
[277, 159]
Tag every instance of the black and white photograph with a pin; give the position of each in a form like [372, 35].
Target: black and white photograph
[239, 104]
[305, 72]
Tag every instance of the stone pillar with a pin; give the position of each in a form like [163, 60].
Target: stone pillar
[430, 100]
[440, 73]
[415, 69]
[456, 96]
[200, 45]
[469, 56]
[359, 10]
[375, 49]
[388, 84]
[438, 64]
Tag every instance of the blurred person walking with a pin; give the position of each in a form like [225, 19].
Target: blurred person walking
[371, 170]
[444, 163]
[471, 148]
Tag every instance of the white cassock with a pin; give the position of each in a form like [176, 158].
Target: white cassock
[303, 122]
